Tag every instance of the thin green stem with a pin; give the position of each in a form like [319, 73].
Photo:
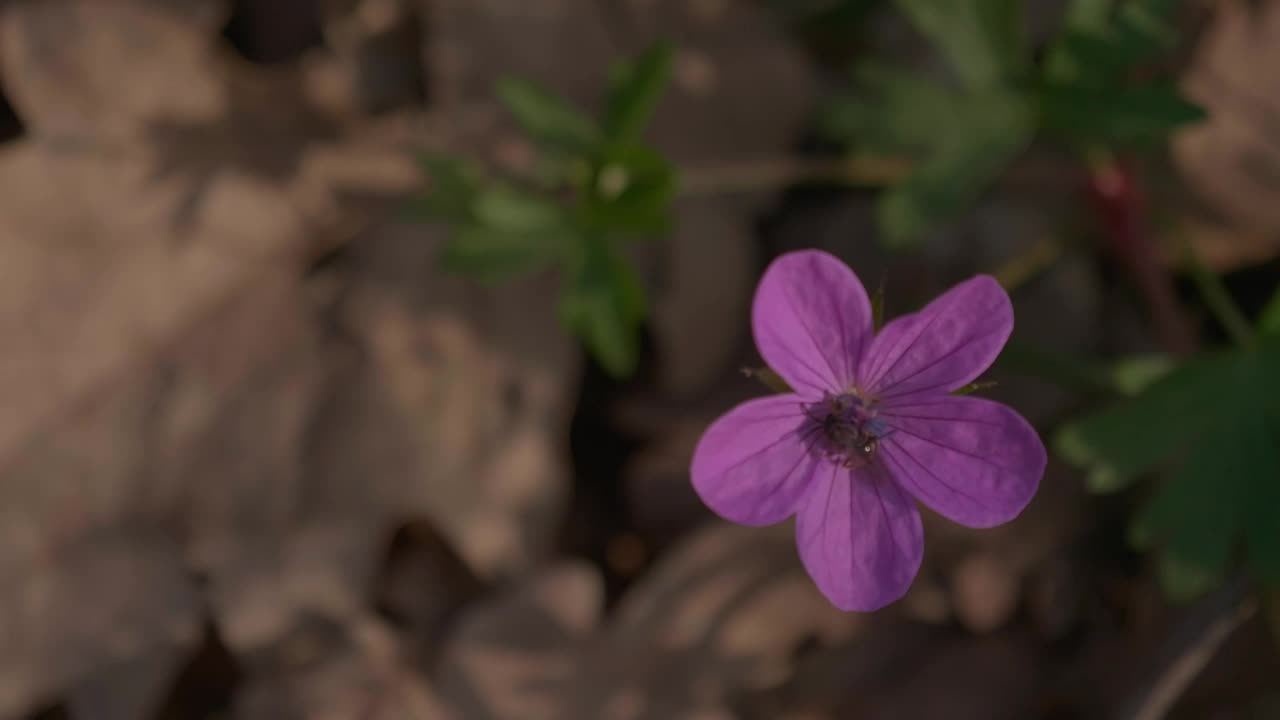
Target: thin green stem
[1215, 296]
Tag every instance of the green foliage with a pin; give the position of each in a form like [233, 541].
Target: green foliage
[634, 90]
[982, 40]
[547, 118]
[1214, 425]
[1269, 322]
[985, 134]
[1089, 92]
[598, 185]
[1112, 116]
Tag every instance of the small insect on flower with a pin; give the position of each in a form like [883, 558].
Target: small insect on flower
[869, 427]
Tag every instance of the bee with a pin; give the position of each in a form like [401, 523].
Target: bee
[848, 438]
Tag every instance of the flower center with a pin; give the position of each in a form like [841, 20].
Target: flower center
[845, 428]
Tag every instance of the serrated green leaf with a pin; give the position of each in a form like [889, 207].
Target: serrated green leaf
[510, 210]
[546, 117]
[1195, 516]
[634, 91]
[1120, 442]
[983, 138]
[983, 40]
[1149, 19]
[1216, 421]
[1139, 115]
[604, 304]
[1269, 320]
[891, 110]
[1091, 59]
[1099, 47]
[489, 254]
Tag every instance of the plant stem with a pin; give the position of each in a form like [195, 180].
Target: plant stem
[777, 173]
[1120, 206]
[1193, 643]
[866, 171]
[1215, 296]
[1026, 265]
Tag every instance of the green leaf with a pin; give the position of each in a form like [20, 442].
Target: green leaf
[1216, 422]
[1269, 321]
[1117, 115]
[1088, 15]
[1099, 47]
[983, 40]
[892, 110]
[489, 254]
[1262, 510]
[604, 304]
[453, 184]
[634, 190]
[1194, 515]
[1183, 581]
[634, 91]
[1127, 439]
[508, 209]
[1134, 374]
[983, 138]
[768, 378]
[547, 118]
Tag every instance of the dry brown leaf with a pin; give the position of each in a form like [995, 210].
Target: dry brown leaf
[323, 671]
[721, 615]
[77, 615]
[1232, 160]
[172, 369]
[476, 382]
[78, 70]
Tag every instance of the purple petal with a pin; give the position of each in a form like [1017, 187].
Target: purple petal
[943, 346]
[860, 537]
[972, 460]
[812, 321]
[752, 465]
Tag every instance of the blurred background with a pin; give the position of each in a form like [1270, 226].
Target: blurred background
[356, 351]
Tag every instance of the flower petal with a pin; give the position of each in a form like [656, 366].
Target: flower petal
[860, 538]
[972, 460]
[948, 343]
[753, 464]
[812, 321]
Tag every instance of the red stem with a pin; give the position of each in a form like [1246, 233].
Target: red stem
[1120, 205]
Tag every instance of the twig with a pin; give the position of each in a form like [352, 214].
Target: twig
[865, 171]
[1021, 268]
[774, 174]
[1207, 627]
[1121, 208]
[1215, 296]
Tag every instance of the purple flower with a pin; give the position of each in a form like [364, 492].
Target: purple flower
[870, 425]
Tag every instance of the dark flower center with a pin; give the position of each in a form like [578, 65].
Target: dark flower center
[844, 429]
